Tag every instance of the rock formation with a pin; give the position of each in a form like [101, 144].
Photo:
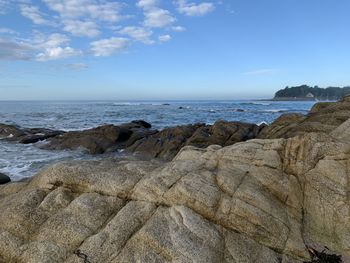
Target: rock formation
[323, 117]
[102, 139]
[263, 200]
[168, 142]
[256, 201]
[25, 136]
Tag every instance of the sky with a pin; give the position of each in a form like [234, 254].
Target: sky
[170, 49]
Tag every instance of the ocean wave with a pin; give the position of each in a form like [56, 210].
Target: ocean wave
[125, 104]
[262, 122]
[274, 110]
[256, 103]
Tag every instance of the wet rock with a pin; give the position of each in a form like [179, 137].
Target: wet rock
[26, 135]
[4, 179]
[10, 131]
[101, 139]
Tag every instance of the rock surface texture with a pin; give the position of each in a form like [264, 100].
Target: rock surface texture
[102, 139]
[263, 200]
[323, 117]
[168, 142]
[257, 201]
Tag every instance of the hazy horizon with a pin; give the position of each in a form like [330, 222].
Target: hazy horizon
[170, 50]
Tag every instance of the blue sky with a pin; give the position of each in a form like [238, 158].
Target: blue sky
[174, 49]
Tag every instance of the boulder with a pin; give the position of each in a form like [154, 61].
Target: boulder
[4, 179]
[101, 139]
[168, 142]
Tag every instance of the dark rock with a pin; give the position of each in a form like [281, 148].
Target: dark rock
[4, 179]
[142, 123]
[39, 135]
[167, 143]
[181, 108]
[239, 110]
[101, 139]
[10, 131]
[25, 136]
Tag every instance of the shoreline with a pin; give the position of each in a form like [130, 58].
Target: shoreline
[267, 194]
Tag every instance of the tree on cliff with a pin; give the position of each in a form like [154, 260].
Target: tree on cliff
[330, 93]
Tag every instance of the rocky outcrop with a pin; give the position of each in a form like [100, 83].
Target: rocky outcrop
[168, 142]
[323, 117]
[136, 137]
[255, 201]
[26, 136]
[4, 179]
[101, 139]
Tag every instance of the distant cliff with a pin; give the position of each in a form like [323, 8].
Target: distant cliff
[305, 92]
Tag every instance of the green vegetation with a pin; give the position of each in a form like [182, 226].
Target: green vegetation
[305, 92]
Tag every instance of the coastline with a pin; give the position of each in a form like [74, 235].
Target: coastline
[258, 195]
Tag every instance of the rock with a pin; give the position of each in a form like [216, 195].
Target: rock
[37, 135]
[323, 117]
[261, 200]
[142, 123]
[10, 131]
[254, 201]
[168, 142]
[101, 139]
[4, 179]
[25, 136]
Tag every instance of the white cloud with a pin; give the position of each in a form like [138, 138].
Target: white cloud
[54, 53]
[55, 40]
[178, 28]
[158, 17]
[155, 16]
[5, 30]
[81, 28]
[164, 38]
[89, 18]
[147, 4]
[192, 9]
[109, 46]
[138, 33]
[101, 10]
[14, 50]
[34, 14]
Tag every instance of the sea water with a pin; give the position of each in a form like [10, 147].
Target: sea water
[20, 161]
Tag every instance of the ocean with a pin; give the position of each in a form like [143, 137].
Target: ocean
[20, 161]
